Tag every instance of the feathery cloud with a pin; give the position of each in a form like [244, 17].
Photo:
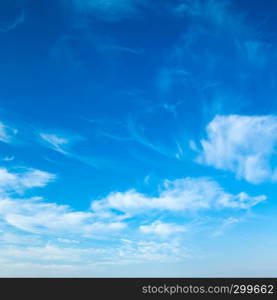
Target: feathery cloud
[55, 142]
[6, 133]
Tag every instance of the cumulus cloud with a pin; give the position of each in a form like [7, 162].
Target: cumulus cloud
[162, 229]
[21, 181]
[189, 194]
[244, 145]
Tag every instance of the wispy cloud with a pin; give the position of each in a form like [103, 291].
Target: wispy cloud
[6, 133]
[124, 49]
[56, 142]
[226, 224]
[55, 260]
[142, 139]
[244, 145]
[215, 11]
[152, 251]
[108, 10]
[133, 133]
[8, 26]
[63, 144]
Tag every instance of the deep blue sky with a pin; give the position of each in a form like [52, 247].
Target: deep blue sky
[154, 122]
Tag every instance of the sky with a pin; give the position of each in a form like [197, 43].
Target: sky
[138, 138]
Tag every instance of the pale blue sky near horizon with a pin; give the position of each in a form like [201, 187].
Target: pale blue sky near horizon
[138, 138]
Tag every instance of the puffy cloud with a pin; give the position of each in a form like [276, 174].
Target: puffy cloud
[189, 194]
[21, 181]
[242, 144]
[162, 229]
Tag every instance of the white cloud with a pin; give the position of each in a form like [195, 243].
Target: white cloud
[189, 194]
[53, 260]
[11, 238]
[35, 216]
[47, 253]
[21, 181]
[242, 144]
[162, 229]
[34, 178]
[151, 251]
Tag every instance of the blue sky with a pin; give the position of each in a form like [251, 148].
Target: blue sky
[138, 138]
